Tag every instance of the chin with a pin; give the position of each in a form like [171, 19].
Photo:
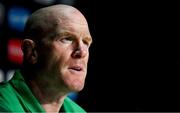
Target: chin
[73, 81]
[77, 87]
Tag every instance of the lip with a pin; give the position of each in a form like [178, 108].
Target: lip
[77, 68]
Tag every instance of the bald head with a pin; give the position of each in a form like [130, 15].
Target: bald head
[44, 22]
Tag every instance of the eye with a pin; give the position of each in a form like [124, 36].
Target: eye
[86, 43]
[67, 39]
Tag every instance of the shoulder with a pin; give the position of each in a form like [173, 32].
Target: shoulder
[4, 97]
[8, 97]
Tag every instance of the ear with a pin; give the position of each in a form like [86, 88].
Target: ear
[29, 51]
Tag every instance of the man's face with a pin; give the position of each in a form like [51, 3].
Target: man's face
[68, 55]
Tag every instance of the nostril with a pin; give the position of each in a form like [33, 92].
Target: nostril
[77, 54]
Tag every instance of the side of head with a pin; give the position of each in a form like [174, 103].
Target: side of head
[57, 46]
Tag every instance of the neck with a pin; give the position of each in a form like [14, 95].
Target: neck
[50, 101]
[54, 106]
[46, 89]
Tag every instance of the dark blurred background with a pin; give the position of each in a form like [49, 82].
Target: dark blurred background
[134, 59]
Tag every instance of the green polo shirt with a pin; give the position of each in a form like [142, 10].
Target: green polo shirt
[15, 96]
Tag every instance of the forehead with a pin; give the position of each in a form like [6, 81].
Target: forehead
[76, 26]
[66, 20]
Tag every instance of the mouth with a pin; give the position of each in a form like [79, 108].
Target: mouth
[76, 68]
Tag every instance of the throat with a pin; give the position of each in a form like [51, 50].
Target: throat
[50, 100]
[54, 106]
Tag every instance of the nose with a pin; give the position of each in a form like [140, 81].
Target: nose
[80, 51]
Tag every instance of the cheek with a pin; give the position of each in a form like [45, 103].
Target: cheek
[59, 65]
[56, 61]
[62, 53]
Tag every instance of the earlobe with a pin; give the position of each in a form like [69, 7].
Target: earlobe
[29, 51]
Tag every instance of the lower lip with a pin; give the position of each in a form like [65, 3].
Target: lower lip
[75, 71]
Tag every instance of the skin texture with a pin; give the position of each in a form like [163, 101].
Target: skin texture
[56, 54]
